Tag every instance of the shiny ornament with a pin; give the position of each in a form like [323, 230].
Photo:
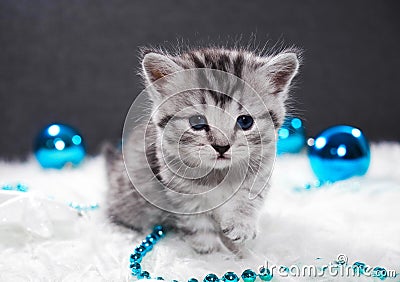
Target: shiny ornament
[58, 145]
[338, 153]
[291, 136]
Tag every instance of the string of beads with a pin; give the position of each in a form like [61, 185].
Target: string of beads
[264, 274]
[158, 233]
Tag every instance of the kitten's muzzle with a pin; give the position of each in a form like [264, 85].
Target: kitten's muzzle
[221, 149]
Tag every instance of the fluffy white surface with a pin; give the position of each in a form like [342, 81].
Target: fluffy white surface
[43, 240]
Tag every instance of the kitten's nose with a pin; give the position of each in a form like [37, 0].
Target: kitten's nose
[221, 149]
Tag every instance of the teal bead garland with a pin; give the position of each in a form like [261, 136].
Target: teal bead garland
[230, 277]
[78, 207]
[265, 274]
[359, 266]
[151, 238]
[136, 257]
[158, 233]
[147, 244]
[136, 268]
[18, 187]
[379, 272]
[140, 250]
[144, 275]
[83, 208]
[211, 278]
[249, 275]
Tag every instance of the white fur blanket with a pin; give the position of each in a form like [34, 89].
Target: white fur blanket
[41, 239]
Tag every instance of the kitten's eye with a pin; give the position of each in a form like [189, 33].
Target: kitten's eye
[245, 122]
[198, 122]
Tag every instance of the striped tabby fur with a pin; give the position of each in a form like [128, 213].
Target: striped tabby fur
[234, 222]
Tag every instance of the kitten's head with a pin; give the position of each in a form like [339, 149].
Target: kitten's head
[217, 108]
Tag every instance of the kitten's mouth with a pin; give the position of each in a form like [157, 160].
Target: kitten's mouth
[223, 158]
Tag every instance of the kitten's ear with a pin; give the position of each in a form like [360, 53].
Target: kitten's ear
[156, 66]
[280, 70]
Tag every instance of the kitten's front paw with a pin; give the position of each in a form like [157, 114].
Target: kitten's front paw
[205, 248]
[204, 243]
[239, 230]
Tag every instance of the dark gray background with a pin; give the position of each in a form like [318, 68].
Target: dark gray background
[75, 61]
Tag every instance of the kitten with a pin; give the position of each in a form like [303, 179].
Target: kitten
[201, 164]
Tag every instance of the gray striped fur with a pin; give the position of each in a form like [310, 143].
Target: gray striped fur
[235, 221]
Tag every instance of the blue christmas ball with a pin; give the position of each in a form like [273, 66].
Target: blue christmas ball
[58, 145]
[291, 136]
[338, 153]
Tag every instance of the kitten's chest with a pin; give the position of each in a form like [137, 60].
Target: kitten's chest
[200, 198]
